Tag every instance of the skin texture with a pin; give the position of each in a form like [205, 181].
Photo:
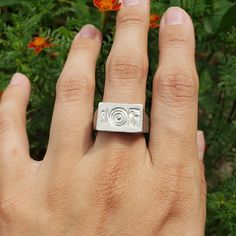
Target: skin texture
[117, 184]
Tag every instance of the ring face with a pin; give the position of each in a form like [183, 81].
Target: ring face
[117, 117]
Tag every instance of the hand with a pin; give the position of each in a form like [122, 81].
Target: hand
[115, 185]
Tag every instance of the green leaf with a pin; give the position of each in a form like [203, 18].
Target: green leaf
[219, 9]
[228, 19]
[206, 81]
[6, 3]
[175, 3]
[207, 25]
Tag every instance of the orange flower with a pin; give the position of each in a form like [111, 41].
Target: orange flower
[154, 18]
[38, 44]
[107, 5]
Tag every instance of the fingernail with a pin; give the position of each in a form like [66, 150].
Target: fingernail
[200, 144]
[87, 31]
[132, 2]
[16, 79]
[174, 16]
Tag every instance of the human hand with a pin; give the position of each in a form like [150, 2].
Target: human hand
[115, 185]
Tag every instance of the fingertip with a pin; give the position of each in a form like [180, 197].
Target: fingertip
[88, 39]
[13, 108]
[175, 16]
[89, 31]
[19, 78]
[176, 27]
[176, 36]
[19, 87]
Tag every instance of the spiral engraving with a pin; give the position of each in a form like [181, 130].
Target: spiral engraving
[118, 116]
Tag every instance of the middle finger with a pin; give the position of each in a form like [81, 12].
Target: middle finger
[127, 64]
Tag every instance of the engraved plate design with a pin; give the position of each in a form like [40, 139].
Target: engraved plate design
[134, 117]
[120, 117]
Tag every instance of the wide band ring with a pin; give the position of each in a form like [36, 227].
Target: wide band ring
[121, 117]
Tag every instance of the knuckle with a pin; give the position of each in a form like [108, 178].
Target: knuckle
[74, 88]
[10, 94]
[82, 45]
[11, 151]
[173, 39]
[127, 69]
[6, 211]
[10, 209]
[11, 98]
[177, 88]
[59, 194]
[15, 214]
[112, 184]
[131, 18]
[57, 199]
[179, 186]
[6, 120]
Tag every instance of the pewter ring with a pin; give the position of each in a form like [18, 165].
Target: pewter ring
[121, 117]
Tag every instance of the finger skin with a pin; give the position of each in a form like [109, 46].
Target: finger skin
[13, 137]
[73, 112]
[175, 91]
[201, 145]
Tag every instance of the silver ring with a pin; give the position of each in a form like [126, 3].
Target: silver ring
[121, 117]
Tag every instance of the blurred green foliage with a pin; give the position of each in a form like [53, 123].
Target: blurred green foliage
[60, 20]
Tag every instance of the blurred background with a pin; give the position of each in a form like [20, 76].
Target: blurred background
[35, 37]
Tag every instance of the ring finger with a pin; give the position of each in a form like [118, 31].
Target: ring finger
[127, 64]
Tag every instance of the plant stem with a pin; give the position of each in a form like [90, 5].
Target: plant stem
[222, 101]
[65, 1]
[104, 16]
[193, 7]
[231, 112]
